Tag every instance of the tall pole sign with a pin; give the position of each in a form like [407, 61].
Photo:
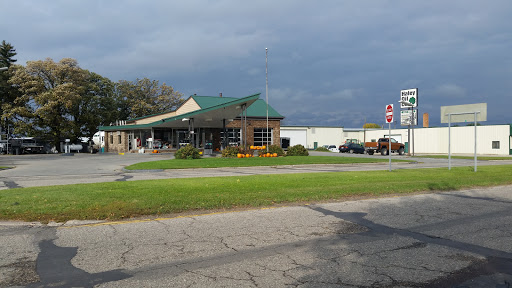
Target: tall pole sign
[409, 100]
[389, 120]
[409, 95]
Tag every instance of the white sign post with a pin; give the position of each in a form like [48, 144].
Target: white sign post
[463, 113]
[389, 120]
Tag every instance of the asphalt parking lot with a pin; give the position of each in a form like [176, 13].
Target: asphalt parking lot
[55, 169]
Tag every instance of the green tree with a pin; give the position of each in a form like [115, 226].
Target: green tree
[7, 52]
[371, 125]
[58, 100]
[145, 97]
[99, 105]
[50, 93]
[7, 93]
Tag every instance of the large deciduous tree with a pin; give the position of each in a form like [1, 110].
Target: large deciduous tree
[144, 97]
[59, 100]
[50, 92]
[99, 105]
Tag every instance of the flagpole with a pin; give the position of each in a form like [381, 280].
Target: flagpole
[266, 88]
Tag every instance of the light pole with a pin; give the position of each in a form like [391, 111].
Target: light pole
[266, 90]
[410, 107]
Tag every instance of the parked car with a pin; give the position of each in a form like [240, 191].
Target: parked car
[352, 148]
[333, 148]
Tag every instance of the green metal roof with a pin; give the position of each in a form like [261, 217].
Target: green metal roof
[208, 104]
[259, 109]
[210, 101]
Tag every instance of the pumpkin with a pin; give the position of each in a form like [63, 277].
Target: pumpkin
[275, 154]
[239, 155]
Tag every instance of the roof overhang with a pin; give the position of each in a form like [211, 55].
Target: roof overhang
[211, 117]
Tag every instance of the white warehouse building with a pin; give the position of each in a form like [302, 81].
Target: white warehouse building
[491, 139]
[312, 137]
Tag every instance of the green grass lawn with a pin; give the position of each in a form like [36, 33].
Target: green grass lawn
[117, 200]
[466, 157]
[249, 162]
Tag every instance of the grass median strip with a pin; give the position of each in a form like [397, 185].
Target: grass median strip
[250, 162]
[118, 200]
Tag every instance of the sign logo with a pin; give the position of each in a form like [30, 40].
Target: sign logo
[389, 113]
[409, 95]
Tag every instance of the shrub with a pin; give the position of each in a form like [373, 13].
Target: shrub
[187, 152]
[322, 149]
[272, 149]
[231, 151]
[297, 150]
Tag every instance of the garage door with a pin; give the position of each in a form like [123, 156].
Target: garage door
[296, 136]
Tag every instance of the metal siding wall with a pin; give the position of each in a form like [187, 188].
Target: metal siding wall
[431, 140]
[326, 136]
[435, 140]
[359, 135]
[297, 136]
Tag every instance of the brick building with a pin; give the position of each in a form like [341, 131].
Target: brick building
[203, 121]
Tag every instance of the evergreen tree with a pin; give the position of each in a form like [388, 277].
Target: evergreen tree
[7, 51]
[7, 93]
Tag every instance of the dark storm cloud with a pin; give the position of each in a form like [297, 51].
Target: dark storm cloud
[330, 62]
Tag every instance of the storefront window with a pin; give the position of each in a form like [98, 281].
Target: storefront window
[233, 136]
[262, 137]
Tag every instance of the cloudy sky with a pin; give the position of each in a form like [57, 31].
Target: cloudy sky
[333, 63]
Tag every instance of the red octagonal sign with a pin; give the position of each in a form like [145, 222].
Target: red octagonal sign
[389, 113]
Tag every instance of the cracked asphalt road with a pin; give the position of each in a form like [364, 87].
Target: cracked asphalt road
[450, 239]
